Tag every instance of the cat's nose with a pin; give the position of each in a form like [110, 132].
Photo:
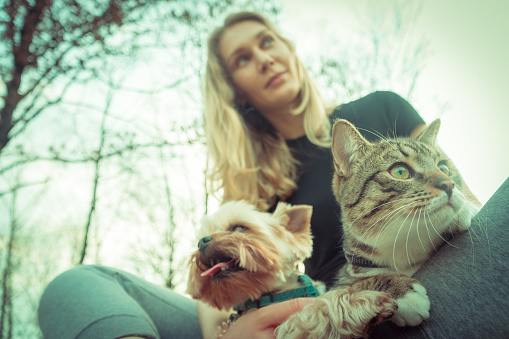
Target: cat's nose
[445, 184]
[203, 243]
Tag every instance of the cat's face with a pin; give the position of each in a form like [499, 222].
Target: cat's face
[396, 192]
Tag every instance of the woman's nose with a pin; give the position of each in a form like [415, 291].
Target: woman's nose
[264, 60]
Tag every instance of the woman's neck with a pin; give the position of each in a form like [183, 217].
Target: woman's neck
[290, 126]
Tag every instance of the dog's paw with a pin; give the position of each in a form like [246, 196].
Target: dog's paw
[385, 308]
[413, 307]
[341, 313]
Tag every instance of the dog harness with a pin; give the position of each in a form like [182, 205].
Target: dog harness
[307, 290]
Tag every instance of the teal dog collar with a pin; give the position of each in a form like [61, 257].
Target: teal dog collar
[307, 290]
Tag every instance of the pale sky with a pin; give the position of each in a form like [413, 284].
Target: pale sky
[469, 69]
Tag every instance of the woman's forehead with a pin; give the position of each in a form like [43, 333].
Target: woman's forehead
[238, 36]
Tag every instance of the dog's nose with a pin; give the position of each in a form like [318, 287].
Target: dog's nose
[203, 243]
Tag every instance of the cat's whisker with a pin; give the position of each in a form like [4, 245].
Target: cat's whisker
[386, 224]
[473, 247]
[389, 217]
[364, 214]
[394, 214]
[396, 240]
[358, 241]
[470, 232]
[483, 229]
[418, 234]
[381, 136]
[407, 238]
[374, 208]
[427, 229]
[440, 235]
[473, 231]
[395, 210]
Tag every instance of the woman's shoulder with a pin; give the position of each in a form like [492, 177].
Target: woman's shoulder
[365, 107]
[380, 111]
[374, 100]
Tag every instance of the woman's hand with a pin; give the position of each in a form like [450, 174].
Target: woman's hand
[261, 323]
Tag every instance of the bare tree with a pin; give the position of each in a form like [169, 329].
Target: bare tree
[95, 184]
[12, 260]
[375, 54]
[6, 305]
[48, 40]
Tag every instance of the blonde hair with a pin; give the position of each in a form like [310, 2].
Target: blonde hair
[249, 163]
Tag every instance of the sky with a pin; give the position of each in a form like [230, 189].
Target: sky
[467, 69]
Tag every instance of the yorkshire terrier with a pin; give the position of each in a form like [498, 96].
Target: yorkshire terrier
[247, 259]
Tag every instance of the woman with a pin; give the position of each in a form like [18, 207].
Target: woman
[268, 136]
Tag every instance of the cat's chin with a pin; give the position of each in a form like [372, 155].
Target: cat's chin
[444, 204]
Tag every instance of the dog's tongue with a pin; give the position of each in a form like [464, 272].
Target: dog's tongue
[215, 269]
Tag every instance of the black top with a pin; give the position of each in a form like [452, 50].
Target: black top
[384, 112]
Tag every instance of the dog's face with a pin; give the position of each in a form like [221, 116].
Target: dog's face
[244, 253]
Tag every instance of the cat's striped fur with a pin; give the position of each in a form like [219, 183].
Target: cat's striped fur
[400, 199]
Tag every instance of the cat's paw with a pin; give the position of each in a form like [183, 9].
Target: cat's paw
[413, 307]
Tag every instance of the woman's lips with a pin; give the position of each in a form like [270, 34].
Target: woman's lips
[275, 79]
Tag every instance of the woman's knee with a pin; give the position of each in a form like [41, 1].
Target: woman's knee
[69, 282]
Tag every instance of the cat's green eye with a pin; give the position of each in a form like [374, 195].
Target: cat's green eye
[400, 172]
[444, 169]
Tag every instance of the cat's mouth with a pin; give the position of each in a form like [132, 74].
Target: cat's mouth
[442, 203]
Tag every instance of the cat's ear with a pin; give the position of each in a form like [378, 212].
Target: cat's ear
[429, 134]
[347, 145]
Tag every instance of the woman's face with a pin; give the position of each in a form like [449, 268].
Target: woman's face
[261, 66]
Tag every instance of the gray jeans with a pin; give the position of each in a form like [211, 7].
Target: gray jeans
[468, 286]
[104, 303]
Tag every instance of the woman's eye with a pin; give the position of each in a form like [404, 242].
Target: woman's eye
[241, 60]
[400, 171]
[444, 169]
[238, 228]
[267, 41]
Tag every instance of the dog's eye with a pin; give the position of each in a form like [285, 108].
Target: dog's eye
[238, 228]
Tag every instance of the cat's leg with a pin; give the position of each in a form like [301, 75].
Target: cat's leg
[411, 296]
[339, 313]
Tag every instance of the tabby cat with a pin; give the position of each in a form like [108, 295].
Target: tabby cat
[400, 200]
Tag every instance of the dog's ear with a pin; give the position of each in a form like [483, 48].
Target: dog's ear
[296, 219]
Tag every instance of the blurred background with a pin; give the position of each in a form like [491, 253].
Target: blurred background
[102, 154]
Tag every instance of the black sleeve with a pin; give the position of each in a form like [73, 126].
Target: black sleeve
[381, 112]
[404, 116]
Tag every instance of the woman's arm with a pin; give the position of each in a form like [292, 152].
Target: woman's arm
[261, 323]
[258, 324]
